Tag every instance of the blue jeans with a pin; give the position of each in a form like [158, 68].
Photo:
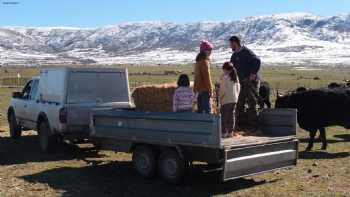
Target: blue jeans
[203, 102]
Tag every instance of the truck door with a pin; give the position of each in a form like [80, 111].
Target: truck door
[32, 107]
[22, 103]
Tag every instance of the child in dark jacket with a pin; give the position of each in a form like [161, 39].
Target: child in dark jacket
[183, 95]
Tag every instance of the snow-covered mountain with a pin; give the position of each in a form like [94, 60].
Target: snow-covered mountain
[295, 38]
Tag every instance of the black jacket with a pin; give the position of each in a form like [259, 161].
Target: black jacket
[246, 63]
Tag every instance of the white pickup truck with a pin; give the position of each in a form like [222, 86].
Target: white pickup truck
[57, 103]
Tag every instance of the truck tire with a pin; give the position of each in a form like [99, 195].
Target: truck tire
[144, 161]
[15, 129]
[214, 165]
[98, 145]
[171, 166]
[46, 139]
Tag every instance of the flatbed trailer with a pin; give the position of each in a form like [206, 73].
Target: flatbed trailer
[167, 142]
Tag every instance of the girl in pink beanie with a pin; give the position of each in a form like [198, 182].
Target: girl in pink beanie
[206, 46]
[202, 78]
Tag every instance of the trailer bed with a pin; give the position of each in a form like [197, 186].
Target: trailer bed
[198, 136]
[243, 141]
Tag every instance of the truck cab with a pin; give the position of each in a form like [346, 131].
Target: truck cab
[57, 103]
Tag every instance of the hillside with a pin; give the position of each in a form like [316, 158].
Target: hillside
[295, 38]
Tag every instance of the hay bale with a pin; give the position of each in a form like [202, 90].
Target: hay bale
[154, 98]
[3, 129]
[159, 98]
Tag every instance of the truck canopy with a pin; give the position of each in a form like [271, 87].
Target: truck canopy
[52, 85]
[98, 86]
[84, 85]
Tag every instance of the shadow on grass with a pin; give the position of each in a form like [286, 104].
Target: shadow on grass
[119, 179]
[26, 149]
[108, 179]
[317, 140]
[345, 137]
[341, 138]
[322, 155]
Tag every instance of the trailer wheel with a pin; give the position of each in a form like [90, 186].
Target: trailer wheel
[15, 129]
[46, 139]
[171, 166]
[144, 161]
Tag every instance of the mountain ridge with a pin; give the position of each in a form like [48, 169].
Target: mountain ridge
[290, 38]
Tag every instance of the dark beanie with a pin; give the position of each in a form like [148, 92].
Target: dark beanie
[235, 39]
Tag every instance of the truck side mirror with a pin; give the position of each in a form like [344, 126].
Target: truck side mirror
[17, 95]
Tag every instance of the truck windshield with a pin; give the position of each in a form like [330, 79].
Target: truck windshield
[97, 87]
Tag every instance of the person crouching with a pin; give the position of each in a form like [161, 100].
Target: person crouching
[228, 93]
[183, 96]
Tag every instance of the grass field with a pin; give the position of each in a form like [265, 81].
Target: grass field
[82, 171]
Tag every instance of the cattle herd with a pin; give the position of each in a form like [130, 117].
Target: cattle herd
[319, 108]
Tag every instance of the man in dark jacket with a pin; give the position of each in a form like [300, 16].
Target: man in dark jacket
[248, 66]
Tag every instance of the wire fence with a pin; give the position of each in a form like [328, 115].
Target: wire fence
[13, 82]
[288, 85]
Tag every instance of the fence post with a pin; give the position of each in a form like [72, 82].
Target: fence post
[18, 79]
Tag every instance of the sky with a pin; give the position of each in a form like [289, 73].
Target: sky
[96, 13]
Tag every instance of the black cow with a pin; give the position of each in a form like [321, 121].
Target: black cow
[344, 84]
[264, 95]
[334, 85]
[322, 129]
[318, 109]
[300, 89]
[347, 82]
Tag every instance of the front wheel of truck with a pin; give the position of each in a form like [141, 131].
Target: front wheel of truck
[144, 161]
[171, 166]
[15, 129]
[46, 139]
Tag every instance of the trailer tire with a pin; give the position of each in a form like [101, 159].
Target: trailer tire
[47, 140]
[171, 166]
[144, 161]
[15, 129]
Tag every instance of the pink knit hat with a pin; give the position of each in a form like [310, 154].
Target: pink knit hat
[206, 46]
